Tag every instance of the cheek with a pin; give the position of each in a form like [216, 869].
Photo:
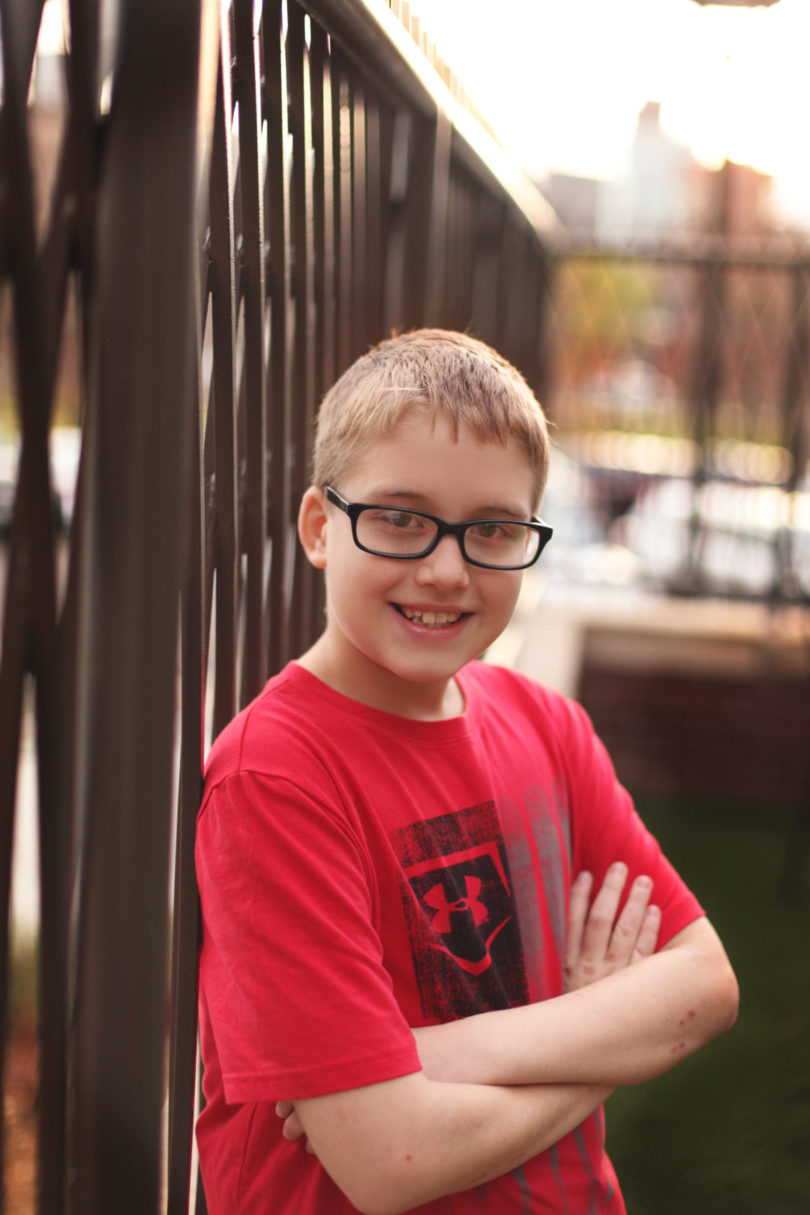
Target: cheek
[342, 559]
[350, 580]
[505, 594]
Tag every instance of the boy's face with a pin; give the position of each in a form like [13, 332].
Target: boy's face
[398, 631]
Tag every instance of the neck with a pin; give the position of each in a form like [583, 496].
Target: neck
[381, 689]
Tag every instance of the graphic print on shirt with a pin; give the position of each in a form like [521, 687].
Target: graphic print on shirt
[460, 909]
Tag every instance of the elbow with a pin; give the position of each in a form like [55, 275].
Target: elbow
[720, 1005]
[714, 992]
[392, 1190]
[393, 1186]
[379, 1186]
[380, 1208]
[374, 1144]
[367, 1205]
[726, 1000]
[368, 1202]
[381, 1196]
[710, 1012]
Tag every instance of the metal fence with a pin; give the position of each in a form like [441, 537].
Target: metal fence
[682, 382]
[689, 411]
[231, 204]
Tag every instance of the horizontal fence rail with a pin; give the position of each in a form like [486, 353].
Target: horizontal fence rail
[223, 206]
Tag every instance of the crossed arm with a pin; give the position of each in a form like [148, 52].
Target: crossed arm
[628, 1014]
[498, 1088]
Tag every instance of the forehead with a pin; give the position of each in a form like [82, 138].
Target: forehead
[426, 460]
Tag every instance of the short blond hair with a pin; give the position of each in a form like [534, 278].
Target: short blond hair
[447, 374]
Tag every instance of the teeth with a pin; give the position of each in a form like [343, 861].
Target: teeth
[431, 618]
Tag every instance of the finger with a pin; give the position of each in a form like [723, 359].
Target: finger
[577, 914]
[284, 1108]
[599, 925]
[293, 1128]
[648, 936]
[629, 924]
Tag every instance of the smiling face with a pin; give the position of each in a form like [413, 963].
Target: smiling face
[398, 631]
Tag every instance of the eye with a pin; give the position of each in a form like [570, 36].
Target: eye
[398, 520]
[492, 531]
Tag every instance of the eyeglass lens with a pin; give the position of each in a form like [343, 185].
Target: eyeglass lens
[399, 533]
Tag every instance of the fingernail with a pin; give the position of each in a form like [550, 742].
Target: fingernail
[618, 867]
[644, 882]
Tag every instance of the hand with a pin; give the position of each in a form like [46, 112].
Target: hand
[598, 943]
[293, 1128]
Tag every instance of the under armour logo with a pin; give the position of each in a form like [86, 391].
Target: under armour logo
[461, 913]
[437, 898]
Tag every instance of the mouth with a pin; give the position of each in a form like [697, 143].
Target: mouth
[430, 618]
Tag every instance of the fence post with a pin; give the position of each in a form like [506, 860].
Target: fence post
[708, 371]
[138, 452]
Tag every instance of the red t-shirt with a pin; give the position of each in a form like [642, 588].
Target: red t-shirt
[361, 873]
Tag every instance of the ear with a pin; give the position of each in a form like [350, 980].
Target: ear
[312, 521]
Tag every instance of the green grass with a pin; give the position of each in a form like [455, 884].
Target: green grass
[728, 1132]
[23, 980]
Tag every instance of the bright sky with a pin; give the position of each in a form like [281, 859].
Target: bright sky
[561, 82]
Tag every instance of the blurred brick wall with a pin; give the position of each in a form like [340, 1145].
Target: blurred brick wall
[703, 700]
[687, 734]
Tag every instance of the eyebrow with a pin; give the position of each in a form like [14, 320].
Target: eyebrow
[422, 502]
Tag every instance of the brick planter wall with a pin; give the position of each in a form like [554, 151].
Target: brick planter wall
[687, 734]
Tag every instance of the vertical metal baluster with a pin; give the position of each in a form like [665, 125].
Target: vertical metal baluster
[302, 309]
[278, 276]
[253, 295]
[223, 323]
[138, 447]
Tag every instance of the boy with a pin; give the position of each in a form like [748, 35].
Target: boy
[408, 998]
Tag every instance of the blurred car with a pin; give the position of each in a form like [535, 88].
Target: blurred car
[739, 539]
[581, 551]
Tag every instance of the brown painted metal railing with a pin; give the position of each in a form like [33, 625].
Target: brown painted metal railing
[240, 204]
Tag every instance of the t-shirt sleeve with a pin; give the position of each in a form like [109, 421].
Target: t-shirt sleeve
[291, 964]
[606, 828]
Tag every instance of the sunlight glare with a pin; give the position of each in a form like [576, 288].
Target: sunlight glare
[562, 84]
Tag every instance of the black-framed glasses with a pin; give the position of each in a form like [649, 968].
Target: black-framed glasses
[407, 535]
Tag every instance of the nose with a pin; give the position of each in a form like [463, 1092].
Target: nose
[444, 567]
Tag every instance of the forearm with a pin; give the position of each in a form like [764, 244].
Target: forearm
[625, 1029]
[391, 1147]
